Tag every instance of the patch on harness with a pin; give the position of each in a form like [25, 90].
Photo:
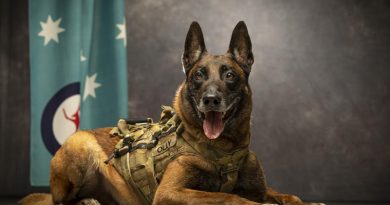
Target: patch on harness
[164, 144]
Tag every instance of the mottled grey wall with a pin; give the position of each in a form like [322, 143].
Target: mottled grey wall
[321, 84]
[14, 99]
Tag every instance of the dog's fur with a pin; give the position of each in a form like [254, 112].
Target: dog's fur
[78, 170]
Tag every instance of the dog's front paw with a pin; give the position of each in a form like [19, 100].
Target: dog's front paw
[291, 200]
[312, 203]
[250, 203]
[88, 202]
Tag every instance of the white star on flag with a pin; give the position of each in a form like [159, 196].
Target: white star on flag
[90, 86]
[82, 57]
[122, 34]
[50, 30]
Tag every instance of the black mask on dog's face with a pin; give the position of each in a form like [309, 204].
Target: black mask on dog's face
[217, 84]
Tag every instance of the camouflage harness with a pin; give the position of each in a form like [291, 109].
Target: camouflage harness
[146, 148]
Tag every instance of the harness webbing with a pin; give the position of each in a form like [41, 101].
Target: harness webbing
[145, 149]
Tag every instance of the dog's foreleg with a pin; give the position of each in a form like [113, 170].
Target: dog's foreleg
[190, 196]
[251, 184]
[272, 196]
[180, 179]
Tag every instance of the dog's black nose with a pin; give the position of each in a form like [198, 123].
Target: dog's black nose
[211, 100]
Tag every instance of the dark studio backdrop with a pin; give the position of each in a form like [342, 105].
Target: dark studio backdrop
[320, 82]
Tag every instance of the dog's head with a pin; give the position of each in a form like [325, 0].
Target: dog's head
[216, 96]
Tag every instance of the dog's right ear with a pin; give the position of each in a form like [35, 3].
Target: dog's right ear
[194, 47]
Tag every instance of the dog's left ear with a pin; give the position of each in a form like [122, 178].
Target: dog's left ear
[241, 47]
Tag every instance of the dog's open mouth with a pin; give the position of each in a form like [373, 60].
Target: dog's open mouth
[213, 124]
[214, 121]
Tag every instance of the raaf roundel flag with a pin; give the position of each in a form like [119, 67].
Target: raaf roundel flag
[78, 73]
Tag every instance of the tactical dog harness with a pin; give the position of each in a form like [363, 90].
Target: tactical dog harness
[146, 148]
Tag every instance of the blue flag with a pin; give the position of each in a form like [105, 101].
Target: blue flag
[78, 73]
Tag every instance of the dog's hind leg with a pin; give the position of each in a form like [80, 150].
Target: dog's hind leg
[78, 172]
[75, 171]
[72, 166]
[36, 199]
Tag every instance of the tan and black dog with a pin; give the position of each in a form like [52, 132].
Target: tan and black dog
[215, 102]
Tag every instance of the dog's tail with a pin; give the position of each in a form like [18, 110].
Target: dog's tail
[37, 198]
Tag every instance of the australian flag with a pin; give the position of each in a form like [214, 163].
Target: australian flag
[78, 73]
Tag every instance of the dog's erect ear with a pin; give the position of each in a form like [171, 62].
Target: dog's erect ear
[241, 47]
[194, 46]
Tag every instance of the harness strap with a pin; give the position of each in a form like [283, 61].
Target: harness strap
[154, 145]
[229, 167]
[228, 164]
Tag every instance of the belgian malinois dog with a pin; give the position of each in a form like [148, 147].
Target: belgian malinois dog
[214, 100]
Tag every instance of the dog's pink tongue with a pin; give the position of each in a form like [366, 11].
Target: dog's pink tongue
[213, 124]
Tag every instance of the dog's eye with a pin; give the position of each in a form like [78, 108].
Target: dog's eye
[198, 75]
[230, 76]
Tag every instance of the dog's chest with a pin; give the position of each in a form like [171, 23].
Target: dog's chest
[204, 180]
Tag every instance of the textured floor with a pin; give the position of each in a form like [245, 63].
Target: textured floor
[12, 201]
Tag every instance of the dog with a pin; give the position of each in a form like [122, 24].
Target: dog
[214, 102]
